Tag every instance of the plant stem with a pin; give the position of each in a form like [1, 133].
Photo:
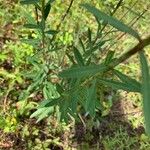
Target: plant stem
[112, 13]
[139, 47]
[43, 23]
[63, 18]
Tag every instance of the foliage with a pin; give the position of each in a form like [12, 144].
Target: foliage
[84, 77]
[77, 72]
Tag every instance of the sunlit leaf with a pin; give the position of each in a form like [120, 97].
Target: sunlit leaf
[42, 113]
[46, 93]
[45, 113]
[38, 112]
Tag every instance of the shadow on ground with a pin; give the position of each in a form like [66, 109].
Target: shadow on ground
[114, 126]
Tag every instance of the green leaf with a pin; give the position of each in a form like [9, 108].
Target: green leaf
[59, 88]
[28, 16]
[53, 102]
[78, 56]
[32, 26]
[44, 103]
[47, 10]
[93, 49]
[27, 2]
[74, 83]
[46, 93]
[111, 20]
[52, 93]
[89, 35]
[33, 42]
[131, 82]
[109, 57]
[145, 91]
[82, 45]
[45, 113]
[74, 102]
[42, 113]
[38, 112]
[118, 85]
[51, 32]
[37, 6]
[48, 103]
[91, 99]
[45, 108]
[70, 58]
[3, 57]
[64, 106]
[83, 71]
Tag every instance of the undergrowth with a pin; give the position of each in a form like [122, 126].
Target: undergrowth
[30, 71]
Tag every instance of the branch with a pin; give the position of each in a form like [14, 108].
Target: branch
[139, 47]
[63, 18]
[117, 6]
[66, 13]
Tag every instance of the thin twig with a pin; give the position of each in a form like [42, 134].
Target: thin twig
[114, 11]
[120, 19]
[43, 23]
[117, 6]
[63, 18]
[84, 124]
[65, 15]
[6, 96]
[133, 22]
[36, 15]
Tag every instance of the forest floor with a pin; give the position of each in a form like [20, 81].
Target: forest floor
[121, 129]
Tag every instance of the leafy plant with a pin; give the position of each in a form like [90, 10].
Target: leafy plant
[78, 88]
